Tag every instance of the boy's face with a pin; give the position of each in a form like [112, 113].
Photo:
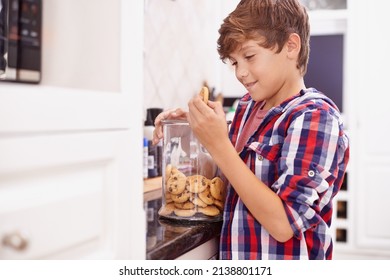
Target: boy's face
[263, 72]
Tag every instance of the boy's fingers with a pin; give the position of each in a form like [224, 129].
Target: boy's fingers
[216, 106]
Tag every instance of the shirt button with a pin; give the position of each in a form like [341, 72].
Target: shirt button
[311, 173]
[260, 158]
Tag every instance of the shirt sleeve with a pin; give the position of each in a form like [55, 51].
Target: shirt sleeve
[308, 167]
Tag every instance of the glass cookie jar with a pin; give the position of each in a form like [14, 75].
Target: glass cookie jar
[192, 188]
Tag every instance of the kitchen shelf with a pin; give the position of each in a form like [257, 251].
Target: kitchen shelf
[152, 188]
[326, 22]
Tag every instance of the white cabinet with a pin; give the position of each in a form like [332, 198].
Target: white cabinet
[71, 147]
[370, 154]
[63, 192]
[206, 251]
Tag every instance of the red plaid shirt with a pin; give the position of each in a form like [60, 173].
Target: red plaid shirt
[300, 151]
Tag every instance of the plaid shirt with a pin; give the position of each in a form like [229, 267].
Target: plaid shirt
[301, 152]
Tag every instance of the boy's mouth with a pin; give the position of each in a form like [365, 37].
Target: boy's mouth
[249, 85]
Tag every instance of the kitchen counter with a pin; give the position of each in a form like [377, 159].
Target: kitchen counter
[169, 239]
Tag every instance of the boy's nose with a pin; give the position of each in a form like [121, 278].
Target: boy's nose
[241, 72]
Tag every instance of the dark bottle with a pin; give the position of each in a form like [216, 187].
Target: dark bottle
[155, 151]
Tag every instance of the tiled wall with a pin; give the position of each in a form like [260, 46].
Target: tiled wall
[180, 50]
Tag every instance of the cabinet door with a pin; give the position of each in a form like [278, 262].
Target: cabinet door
[370, 153]
[71, 147]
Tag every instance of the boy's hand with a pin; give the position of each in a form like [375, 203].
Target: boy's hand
[172, 114]
[208, 122]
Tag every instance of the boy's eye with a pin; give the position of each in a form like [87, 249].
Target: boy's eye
[232, 62]
[249, 56]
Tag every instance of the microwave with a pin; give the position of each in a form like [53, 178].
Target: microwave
[20, 40]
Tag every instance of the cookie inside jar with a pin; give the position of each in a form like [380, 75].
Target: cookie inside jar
[193, 189]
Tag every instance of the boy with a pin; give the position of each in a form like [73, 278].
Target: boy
[286, 153]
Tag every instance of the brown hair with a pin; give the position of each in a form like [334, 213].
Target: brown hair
[274, 20]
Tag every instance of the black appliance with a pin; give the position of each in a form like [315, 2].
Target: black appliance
[20, 40]
[325, 70]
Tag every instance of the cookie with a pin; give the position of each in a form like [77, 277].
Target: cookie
[168, 171]
[209, 210]
[216, 188]
[206, 197]
[219, 204]
[197, 183]
[174, 170]
[181, 197]
[176, 183]
[188, 205]
[178, 205]
[197, 201]
[184, 212]
[167, 209]
[204, 94]
[185, 205]
[168, 197]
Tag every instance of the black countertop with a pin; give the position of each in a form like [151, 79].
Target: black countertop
[168, 239]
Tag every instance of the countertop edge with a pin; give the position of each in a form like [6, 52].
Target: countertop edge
[196, 236]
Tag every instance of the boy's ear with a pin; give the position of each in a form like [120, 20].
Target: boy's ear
[293, 45]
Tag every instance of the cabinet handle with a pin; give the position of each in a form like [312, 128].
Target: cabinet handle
[16, 241]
